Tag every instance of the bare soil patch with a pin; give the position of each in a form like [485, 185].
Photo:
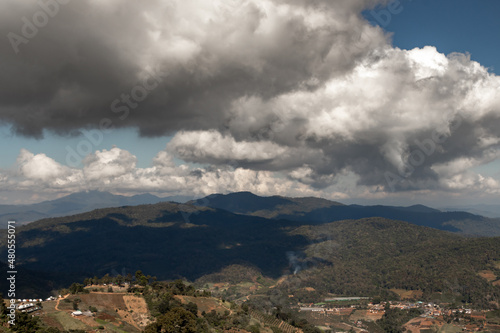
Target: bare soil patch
[137, 313]
[107, 317]
[488, 275]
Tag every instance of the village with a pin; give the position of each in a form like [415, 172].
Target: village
[333, 314]
[29, 305]
[340, 314]
[107, 307]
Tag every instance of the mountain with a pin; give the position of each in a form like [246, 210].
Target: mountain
[316, 210]
[74, 204]
[269, 207]
[363, 257]
[171, 240]
[492, 211]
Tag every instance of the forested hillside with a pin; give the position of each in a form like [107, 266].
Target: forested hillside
[353, 257]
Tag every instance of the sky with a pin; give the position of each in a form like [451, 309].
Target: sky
[359, 101]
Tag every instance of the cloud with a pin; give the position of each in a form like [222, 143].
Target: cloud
[207, 53]
[103, 165]
[40, 169]
[115, 170]
[260, 92]
[400, 113]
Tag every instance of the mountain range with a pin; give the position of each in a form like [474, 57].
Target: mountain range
[310, 209]
[303, 243]
[316, 210]
[75, 203]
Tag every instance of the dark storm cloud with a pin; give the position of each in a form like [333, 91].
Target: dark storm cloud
[91, 52]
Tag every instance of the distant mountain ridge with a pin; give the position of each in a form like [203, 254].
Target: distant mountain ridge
[269, 207]
[72, 204]
[318, 210]
[304, 210]
[492, 211]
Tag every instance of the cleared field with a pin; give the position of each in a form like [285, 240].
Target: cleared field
[51, 321]
[365, 315]
[113, 311]
[204, 304]
[408, 294]
[67, 322]
[49, 307]
[66, 304]
[112, 327]
[104, 301]
[450, 329]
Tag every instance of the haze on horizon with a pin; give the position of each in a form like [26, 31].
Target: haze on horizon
[292, 98]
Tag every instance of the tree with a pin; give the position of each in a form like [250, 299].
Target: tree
[192, 307]
[138, 275]
[106, 279]
[254, 329]
[119, 280]
[25, 323]
[3, 309]
[141, 278]
[76, 288]
[177, 320]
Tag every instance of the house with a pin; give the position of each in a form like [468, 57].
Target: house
[76, 313]
[25, 306]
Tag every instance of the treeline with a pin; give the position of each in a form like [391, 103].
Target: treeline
[128, 280]
[138, 278]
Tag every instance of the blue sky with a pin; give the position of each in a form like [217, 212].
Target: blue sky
[471, 26]
[145, 149]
